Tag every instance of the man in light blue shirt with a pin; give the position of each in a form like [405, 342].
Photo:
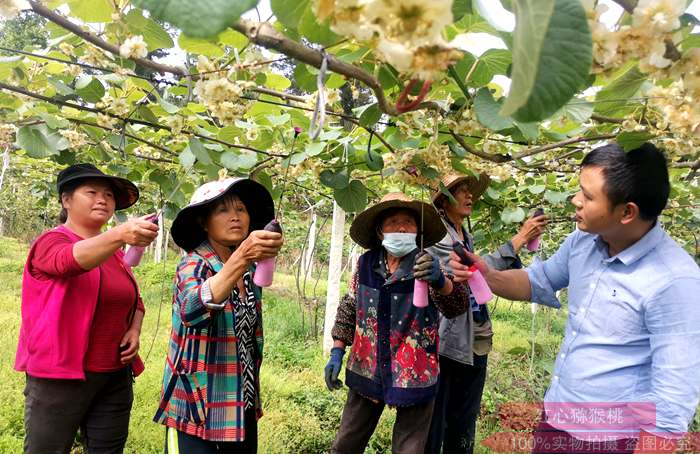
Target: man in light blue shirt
[632, 337]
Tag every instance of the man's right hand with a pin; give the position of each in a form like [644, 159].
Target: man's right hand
[461, 272]
[335, 363]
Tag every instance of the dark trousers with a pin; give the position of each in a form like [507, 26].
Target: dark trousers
[457, 406]
[100, 406]
[548, 440]
[360, 418]
[189, 444]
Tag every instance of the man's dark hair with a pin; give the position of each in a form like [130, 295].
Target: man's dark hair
[639, 176]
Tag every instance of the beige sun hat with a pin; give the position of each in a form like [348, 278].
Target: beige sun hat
[364, 228]
[476, 185]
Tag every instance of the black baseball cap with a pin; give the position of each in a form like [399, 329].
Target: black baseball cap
[125, 192]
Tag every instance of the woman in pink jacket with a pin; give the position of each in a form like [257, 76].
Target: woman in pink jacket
[81, 318]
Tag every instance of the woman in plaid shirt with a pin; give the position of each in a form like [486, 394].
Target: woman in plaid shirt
[210, 401]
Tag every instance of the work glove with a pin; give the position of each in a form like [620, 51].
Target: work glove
[427, 268]
[335, 363]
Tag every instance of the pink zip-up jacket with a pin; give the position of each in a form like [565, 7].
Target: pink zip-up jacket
[56, 320]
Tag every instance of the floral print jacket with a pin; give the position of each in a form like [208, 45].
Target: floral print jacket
[394, 343]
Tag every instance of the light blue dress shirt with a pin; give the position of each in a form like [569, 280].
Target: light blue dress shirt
[633, 328]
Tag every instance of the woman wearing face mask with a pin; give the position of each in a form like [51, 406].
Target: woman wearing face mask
[393, 358]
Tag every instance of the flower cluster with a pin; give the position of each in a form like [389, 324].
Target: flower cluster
[219, 94]
[653, 24]
[133, 47]
[117, 106]
[75, 139]
[406, 34]
[652, 39]
[7, 131]
[11, 8]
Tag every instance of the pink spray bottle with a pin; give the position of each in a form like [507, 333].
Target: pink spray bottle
[480, 289]
[266, 268]
[134, 253]
[534, 243]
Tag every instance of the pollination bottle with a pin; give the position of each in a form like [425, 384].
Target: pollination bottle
[534, 244]
[266, 268]
[134, 253]
[477, 283]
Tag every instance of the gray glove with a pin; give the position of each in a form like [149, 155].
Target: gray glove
[427, 268]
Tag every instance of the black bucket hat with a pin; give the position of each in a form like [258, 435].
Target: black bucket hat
[186, 229]
[125, 192]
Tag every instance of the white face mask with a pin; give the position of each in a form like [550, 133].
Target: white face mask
[399, 244]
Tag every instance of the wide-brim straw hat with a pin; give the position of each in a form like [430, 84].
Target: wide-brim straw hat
[188, 233]
[125, 192]
[364, 228]
[476, 185]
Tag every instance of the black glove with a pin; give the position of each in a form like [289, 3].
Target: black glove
[427, 268]
[335, 363]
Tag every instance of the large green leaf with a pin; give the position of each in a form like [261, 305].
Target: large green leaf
[92, 11]
[289, 13]
[153, 34]
[199, 19]
[315, 32]
[629, 140]
[612, 99]
[197, 149]
[200, 46]
[89, 88]
[512, 215]
[487, 111]
[39, 141]
[352, 198]
[551, 57]
[335, 180]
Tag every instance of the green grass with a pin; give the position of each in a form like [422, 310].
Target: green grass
[301, 416]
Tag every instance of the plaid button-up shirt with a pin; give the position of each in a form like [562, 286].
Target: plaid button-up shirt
[202, 393]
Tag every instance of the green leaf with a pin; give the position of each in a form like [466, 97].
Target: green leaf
[487, 111]
[36, 142]
[496, 61]
[577, 110]
[552, 57]
[303, 78]
[536, 189]
[153, 34]
[612, 99]
[200, 46]
[168, 107]
[89, 88]
[315, 148]
[236, 161]
[629, 140]
[199, 19]
[196, 147]
[352, 198]
[54, 122]
[556, 197]
[374, 161]
[460, 8]
[92, 11]
[146, 114]
[187, 158]
[370, 116]
[457, 149]
[512, 215]
[335, 180]
[313, 31]
[278, 120]
[289, 13]
[232, 38]
[277, 82]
